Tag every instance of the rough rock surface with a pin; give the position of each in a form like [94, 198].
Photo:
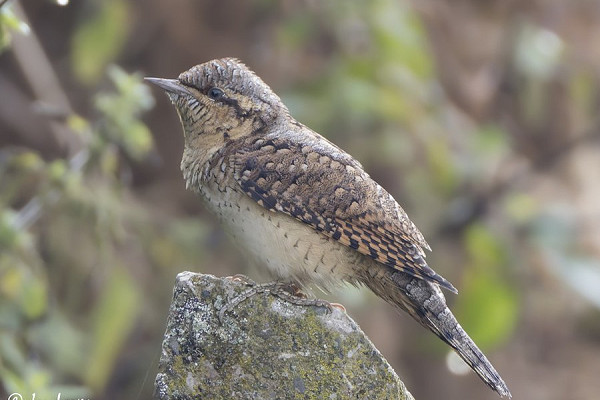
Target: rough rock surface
[265, 348]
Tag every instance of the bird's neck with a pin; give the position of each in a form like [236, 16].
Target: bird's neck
[195, 164]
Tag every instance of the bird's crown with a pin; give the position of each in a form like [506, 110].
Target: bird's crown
[230, 76]
[228, 82]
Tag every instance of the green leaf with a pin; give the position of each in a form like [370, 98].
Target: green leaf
[11, 381]
[441, 165]
[60, 342]
[138, 139]
[491, 140]
[100, 40]
[57, 170]
[12, 354]
[487, 306]
[296, 32]
[122, 110]
[400, 35]
[483, 248]
[9, 233]
[29, 161]
[521, 207]
[38, 380]
[114, 318]
[34, 297]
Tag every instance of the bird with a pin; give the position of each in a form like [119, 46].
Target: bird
[300, 206]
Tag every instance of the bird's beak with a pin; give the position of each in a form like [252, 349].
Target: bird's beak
[171, 86]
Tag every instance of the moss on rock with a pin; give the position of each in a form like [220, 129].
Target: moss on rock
[266, 348]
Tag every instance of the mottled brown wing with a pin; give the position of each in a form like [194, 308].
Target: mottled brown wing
[320, 185]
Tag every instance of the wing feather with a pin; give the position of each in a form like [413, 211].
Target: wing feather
[327, 189]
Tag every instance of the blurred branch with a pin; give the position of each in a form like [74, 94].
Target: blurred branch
[15, 106]
[44, 83]
[3, 2]
[552, 157]
[33, 209]
[52, 102]
[474, 208]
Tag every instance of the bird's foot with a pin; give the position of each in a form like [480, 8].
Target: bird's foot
[286, 291]
[241, 278]
[338, 306]
[293, 294]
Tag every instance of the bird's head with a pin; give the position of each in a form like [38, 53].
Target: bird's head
[220, 100]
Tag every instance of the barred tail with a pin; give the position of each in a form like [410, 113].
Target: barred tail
[425, 302]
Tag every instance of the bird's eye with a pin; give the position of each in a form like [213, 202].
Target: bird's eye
[215, 93]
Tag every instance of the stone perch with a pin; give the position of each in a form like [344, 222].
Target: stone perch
[266, 348]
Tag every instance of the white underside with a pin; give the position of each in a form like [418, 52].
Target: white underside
[290, 249]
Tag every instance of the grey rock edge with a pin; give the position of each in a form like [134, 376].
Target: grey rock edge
[266, 348]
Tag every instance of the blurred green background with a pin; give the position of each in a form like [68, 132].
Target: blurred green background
[481, 118]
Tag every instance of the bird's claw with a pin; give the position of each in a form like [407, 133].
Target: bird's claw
[288, 292]
[241, 278]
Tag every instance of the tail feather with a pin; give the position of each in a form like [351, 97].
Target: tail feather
[425, 302]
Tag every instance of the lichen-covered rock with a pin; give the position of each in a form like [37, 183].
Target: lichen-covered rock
[266, 348]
